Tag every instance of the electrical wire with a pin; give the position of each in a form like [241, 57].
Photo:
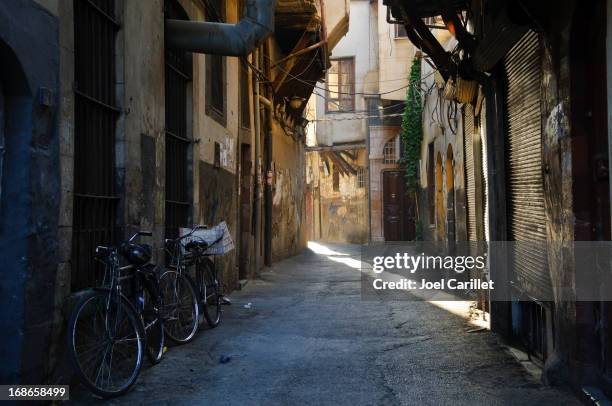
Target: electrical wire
[339, 92]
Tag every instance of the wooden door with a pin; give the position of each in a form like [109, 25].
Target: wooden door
[398, 208]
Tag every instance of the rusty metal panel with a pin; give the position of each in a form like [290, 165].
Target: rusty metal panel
[527, 219]
[470, 174]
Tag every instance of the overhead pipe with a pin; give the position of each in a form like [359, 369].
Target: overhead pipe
[215, 38]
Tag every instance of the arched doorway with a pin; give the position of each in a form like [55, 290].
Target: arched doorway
[440, 215]
[15, 157]
[450, 195]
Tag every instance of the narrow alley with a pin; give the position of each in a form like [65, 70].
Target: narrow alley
[301, 334]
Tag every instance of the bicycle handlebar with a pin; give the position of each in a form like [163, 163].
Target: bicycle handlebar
[145, 233]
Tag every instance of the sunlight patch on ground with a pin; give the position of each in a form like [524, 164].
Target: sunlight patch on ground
[450, 303]
[321, 249]
[352, 262]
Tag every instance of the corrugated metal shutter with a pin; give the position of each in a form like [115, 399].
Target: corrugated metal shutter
[485, 171]
[526, 215]
[470, 179]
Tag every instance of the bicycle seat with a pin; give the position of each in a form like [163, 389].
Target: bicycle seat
[196, 245]
[137, 254]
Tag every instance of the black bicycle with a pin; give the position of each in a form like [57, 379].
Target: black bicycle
[190, 250]
[109, 330]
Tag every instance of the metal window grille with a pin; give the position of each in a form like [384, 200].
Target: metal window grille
[95, 200]
[177, 78]
[390, 152]
[361, 177]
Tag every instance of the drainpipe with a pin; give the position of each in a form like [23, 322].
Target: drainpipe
[257, 192]
[224, 39]
[268, 166]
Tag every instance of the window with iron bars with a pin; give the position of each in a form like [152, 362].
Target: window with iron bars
[361, 177]
[177, 80]
[95, 200]
[390, 152]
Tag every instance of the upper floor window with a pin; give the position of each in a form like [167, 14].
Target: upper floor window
[336, 180]
[361, 177]
[341, 85]
[390, 151]
[216, 102]
[400, 31]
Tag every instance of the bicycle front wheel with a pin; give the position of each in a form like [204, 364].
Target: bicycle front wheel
[180, 304]
[154, 327]
[211, 296]
[105, 343]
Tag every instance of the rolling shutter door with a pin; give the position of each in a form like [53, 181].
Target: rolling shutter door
[485, 171]
[526, 215]
[470, 179]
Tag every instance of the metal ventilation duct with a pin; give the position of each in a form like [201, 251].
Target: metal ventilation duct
[221, 38]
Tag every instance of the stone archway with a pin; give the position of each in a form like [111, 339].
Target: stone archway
[440, 214]
[449, 168]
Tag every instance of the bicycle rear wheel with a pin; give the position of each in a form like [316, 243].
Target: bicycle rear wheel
[105, 343]
[181, 311]
[210, 295]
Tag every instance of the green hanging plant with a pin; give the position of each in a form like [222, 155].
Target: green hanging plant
[412, 127]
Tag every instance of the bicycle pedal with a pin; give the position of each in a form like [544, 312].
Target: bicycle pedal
[225, 301]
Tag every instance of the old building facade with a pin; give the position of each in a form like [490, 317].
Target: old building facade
[357, 147]
[107, 129]
[524, 171]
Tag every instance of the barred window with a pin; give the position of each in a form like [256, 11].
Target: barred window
[95, 118]
[178, 73]
[390, 151]
[361, 177]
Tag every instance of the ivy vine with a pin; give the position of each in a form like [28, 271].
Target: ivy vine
[412, 127]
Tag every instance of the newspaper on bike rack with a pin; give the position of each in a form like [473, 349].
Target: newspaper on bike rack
[218, 238]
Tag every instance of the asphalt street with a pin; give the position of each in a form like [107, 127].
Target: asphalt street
[302, 334]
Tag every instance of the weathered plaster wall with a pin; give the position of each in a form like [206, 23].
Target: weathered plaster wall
[394, 59]
[360, 43]
[288, 202]
[215, 194]
[344, 213]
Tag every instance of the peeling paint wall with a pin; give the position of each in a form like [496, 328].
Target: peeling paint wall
[288, 190]
[339, 215]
